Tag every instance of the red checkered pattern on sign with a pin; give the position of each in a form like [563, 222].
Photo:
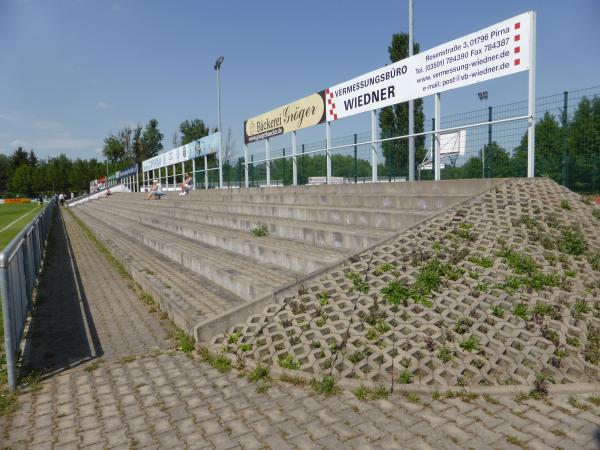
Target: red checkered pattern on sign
[331, 103]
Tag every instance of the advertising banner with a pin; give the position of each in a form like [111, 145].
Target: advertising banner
[207, 145]
[131, 170]
[201, 147]
[303, 113]
[499, 50]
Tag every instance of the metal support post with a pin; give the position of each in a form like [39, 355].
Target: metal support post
[268, 161]
[328, 145]
[565, 136]
[9, 331]
[174, 176]
[194, 173]
[220, 128]
[436, 136]
[355, 157]
[205, 172]
[246, 165]
[374, 146]
[294, 162]
[283, 166]
[531, 104]
[411, 103]
[490, 150]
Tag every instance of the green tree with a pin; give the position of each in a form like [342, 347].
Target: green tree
[152, 140]
[32, 159]
[19, 157]
[393, 120]
[137, 145]
[192, 130]
[4, 171]
[21, 180]
[113, 149]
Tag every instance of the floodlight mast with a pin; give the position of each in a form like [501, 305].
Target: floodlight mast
[411, 104]
[218, 63]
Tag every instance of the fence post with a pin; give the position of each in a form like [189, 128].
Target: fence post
[565, 136]
[294, 160]
[252, 169]
[373, 146]
[432, 144]
[303, 166]
[283, 169]
[327, 152]
[205, 172]
[240, 172]
[355, 158]
[490, 151]
[437, 165]
[268, 161]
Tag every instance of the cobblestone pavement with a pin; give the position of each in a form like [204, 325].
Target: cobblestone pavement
[165, 399]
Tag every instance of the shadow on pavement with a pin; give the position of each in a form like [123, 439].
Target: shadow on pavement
[62, 332]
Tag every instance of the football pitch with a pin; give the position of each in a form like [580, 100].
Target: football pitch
[13, 218]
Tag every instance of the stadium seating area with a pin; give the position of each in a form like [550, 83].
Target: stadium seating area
[213, 251]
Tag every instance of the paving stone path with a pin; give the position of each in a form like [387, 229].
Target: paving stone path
[130, 391]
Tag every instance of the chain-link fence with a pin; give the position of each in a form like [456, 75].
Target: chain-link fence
[567, 148]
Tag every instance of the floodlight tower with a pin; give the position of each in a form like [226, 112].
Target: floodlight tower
[218, 63]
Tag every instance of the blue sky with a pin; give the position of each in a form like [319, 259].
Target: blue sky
[74, 71]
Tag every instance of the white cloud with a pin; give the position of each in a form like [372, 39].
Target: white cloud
[103, 105]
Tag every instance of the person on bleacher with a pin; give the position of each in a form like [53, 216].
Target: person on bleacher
[185, 184]
[156, 191]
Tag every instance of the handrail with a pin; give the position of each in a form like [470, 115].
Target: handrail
[20, 262]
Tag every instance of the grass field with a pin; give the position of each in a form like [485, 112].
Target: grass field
[13, 218]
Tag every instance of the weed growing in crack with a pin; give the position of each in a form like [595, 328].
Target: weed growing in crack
[520, 310]
[324, 298]
[364, 393]
[572, 241]
[387, 267]
[488, 398]
[259, 373]
[445, 354]
[260, 230]
[566, 205]
[596, 213]
[395, 293]
[498, 311]
[326, 386]
[219, 362]
[288, 362]
[405, 377]
[575, 403]
[470, 344]
[294, 380]
[358, 283]
[594, 400]
[481, 261]
[233, 338]
[411, 397]
[540, 387]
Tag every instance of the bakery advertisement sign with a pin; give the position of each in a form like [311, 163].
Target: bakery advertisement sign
[496, 51]
[303, 113]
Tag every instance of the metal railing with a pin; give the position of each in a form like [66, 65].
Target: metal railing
[20, 263]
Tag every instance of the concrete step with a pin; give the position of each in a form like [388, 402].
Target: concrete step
[348, 237]
[389, 219]
[444, 187]
[289, 254]
[397, 200]
[188, 297]
[239, 274]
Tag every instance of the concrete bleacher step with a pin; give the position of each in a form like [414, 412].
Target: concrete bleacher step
[237, 273]
[187, 297]
[353, 238]
[292, 255]
[369, 201]
[391, 219]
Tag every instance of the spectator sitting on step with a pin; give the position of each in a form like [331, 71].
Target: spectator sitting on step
[156, 191]
[185, 184]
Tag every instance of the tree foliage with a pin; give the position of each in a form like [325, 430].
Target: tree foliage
[393, 120]
[151, 140]
[192, 130]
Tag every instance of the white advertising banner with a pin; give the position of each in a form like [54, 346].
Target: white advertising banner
[499, 50]
[201, 147]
